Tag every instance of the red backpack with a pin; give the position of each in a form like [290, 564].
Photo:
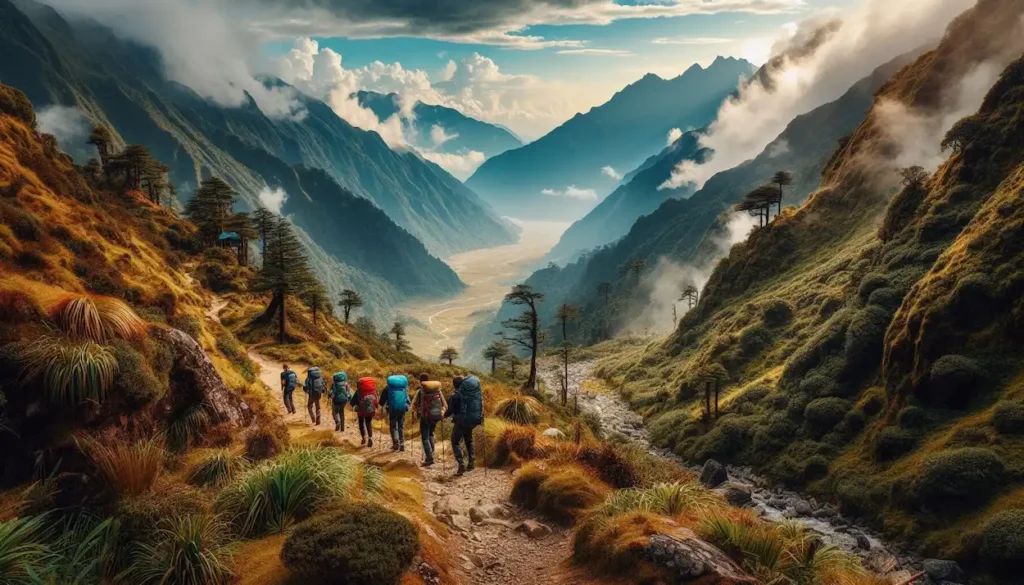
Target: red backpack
[431, 402]
[366, 397]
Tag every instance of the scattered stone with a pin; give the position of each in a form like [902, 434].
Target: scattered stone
[940, 570]
[486, 509]
[802, 508]
[789, 513]
[476, 560]
[533, 529]
[737, 495]
[713, 474]
[429, 574]
[863, 543]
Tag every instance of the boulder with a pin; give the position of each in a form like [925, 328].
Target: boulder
[485, 510]
[533, 529]
[688, 557]
[553, 433]
[939, 570]
[802, 508]
[737, 495]
[194, 380]
[713, 474]
[863, 543]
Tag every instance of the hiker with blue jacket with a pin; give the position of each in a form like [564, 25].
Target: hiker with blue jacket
[340, 394]
[289, 380]
[314, 387]
[466, 407]
[429, 405]
[396, 401]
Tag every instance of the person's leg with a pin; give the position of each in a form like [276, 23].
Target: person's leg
[289, 401]
[341, 417]
[362, 429]
[470, 451]
[393, 423]
[456, 439]
[427, 437]
[336, 416]
[401, 431]
[317, 401]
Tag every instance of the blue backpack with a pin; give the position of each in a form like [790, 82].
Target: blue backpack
[291, 380]
[340, 391]
[398, 393]
[315, 385]
[471, 403]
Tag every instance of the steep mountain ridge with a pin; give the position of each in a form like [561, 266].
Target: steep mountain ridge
[621, 133]
[868, 342]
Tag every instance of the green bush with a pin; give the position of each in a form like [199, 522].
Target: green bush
[773, 434]
[912, 417]
[828, 307]
[815, 468]
[823, 414]
[853, 421]
[725, 440]
[893, 442]
[818, 385]
[14, 103]
[135, 380]
[797, 405]
[1008, 417]
[188, 324]
[1002, 540]
[953, 381]
[234, 351]
[754, 339]
[959, 478]
[864, 338]
[860, 496]
[776, 313]
[874, 401]
[870, 283]
[188, 551]
[887, 298]
[359, 543]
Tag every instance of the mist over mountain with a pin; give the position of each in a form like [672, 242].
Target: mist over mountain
[567, 172]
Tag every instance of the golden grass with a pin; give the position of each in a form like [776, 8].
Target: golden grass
[130, 469]
[95, 318]
[563, 492]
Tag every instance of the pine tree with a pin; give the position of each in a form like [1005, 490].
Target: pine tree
[605, 290]
[263, 219]
[133, 164]
[285, 273]
[526, 327]
[566, 313]
[782, 179]
[241, 223]
[634, 266]
[758, 203]
[450, 354]
[315, 298]
[398, 330]
[101, 139]
[497, 350]
[210, 209]
[691, 295]
[153, 177]
[350, 299]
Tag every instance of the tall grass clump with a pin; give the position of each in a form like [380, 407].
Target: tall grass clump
[23, 552]
[519, 409]
[71, 373]
[95, 318]
[188, 551]
[188, 425]
[130, 469]
[276, 494]
[216, 469]
[666, 499]
[562, 493]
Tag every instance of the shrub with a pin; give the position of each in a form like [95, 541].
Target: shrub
[18, 307]
[617, 466]
[864, 338]
[188, 324]
[216, 469]
[818, 385]
[359, 543]
[23, 552]
[667, 499]
[230, 347]
[526, 486]
[221, 256]
[726, 439]
[870, 283]
[96, 318]
[776, 313]
[71, 373]
[1008, 417]
[189, 551]
[135, 379]
[815, 468]
[1002, 540]
[261, 443]
[893, 442]
[853, 421]
[754, 339]
[31, 260]
[873, 401]
[912, 417]
[519, 409]
[823, 414]
[959, 478]
[129, 469]
[887, 298]
[952, 381]
[517, 440]
[271, 497]
[562, 493]
[187, 424]
[828, 307]
[14, 103]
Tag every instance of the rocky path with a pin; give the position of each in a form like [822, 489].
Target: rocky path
[743, 487]
[490, 541]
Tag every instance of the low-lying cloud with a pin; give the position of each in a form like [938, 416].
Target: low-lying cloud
[71, 129]
[573, 192]
[461, 164]
[611, 173]
[273, 199]
[673, 135]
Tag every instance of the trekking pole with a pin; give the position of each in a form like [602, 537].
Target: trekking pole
[444, 460]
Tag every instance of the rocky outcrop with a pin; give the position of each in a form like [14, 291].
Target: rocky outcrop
[943, 571]
[713, 474]
[194, 380]
[687, 557]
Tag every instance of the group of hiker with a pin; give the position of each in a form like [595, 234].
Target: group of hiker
[464, 406]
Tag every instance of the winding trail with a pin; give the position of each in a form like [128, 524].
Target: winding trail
[772, 503]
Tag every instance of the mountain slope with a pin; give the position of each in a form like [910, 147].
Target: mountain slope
[621, 134]
[84, 64]
[462, 133]
[871, 338]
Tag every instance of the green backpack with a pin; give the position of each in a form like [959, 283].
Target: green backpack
[340, 392]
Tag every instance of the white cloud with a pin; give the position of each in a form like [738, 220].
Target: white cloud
[691, 40]
[71, 129]
[572, 191]
[608, 52]
[871, 34]
[611, 173]
[438, 136]
[273, 199]
[461, 165]
[673, 135]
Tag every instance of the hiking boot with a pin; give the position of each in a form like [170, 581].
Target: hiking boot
[362, 442]
[471, 466]
[427, 463]
[461, 470]
[401, 448]
[370, 443]
[394, 447]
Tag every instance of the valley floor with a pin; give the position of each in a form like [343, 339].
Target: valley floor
[488, 274]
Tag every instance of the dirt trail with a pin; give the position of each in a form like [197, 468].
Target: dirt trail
[491, 552]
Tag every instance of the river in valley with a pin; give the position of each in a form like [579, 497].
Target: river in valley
[488, 274]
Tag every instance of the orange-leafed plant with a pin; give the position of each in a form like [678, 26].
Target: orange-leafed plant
[95, 318]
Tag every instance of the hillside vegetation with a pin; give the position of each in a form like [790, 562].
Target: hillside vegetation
[867, 345]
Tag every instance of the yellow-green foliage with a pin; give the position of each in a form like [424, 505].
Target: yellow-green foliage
[615, 545]
[189, 550]
[129, 468]
[520, 409]
[563, 492]
[70, 372]
[216, 469]
[664, 499]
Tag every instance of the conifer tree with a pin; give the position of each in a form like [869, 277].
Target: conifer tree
[350, 299]
[526, 327]
[285, 272]
[634, 266]
[133, 164]
[605, 290]
[398, 330]
[315, 298]
[450, 354]
[781, 179]
[242, 224]
[153, 177]
[691, 295]
[210, 210]
[101, 139]
[263, 219]
[497, 350]
[758, 203]
[566, 313]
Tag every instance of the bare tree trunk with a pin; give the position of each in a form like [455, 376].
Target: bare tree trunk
[707, 399]
[716, 400]
[531, 381]
[565, 378]
[493, 365]
[271, 311]
[284, 312]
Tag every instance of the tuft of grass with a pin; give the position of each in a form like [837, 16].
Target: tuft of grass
[519, 409]
[95, 318]
[189, 425]
[278, 493]
[666, 499]
[216, 469]
[130, 469]
[563, 493]
[71, 373]
[189, 551]
[23, 554]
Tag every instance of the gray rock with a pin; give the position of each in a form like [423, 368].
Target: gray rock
[789, 512]
[713, 474]
[688, 557]
[802, 508]
[737, 495]
[533, 529]
[863, 543]
[553, 433]
[940, 570]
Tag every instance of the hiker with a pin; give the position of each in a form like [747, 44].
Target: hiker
[314, 386]
[288, 383]
[340, 395]
[429, 405]
[364, 401]
[466, 407]
[396, 401]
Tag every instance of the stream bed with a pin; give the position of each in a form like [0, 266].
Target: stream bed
[744, 487]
